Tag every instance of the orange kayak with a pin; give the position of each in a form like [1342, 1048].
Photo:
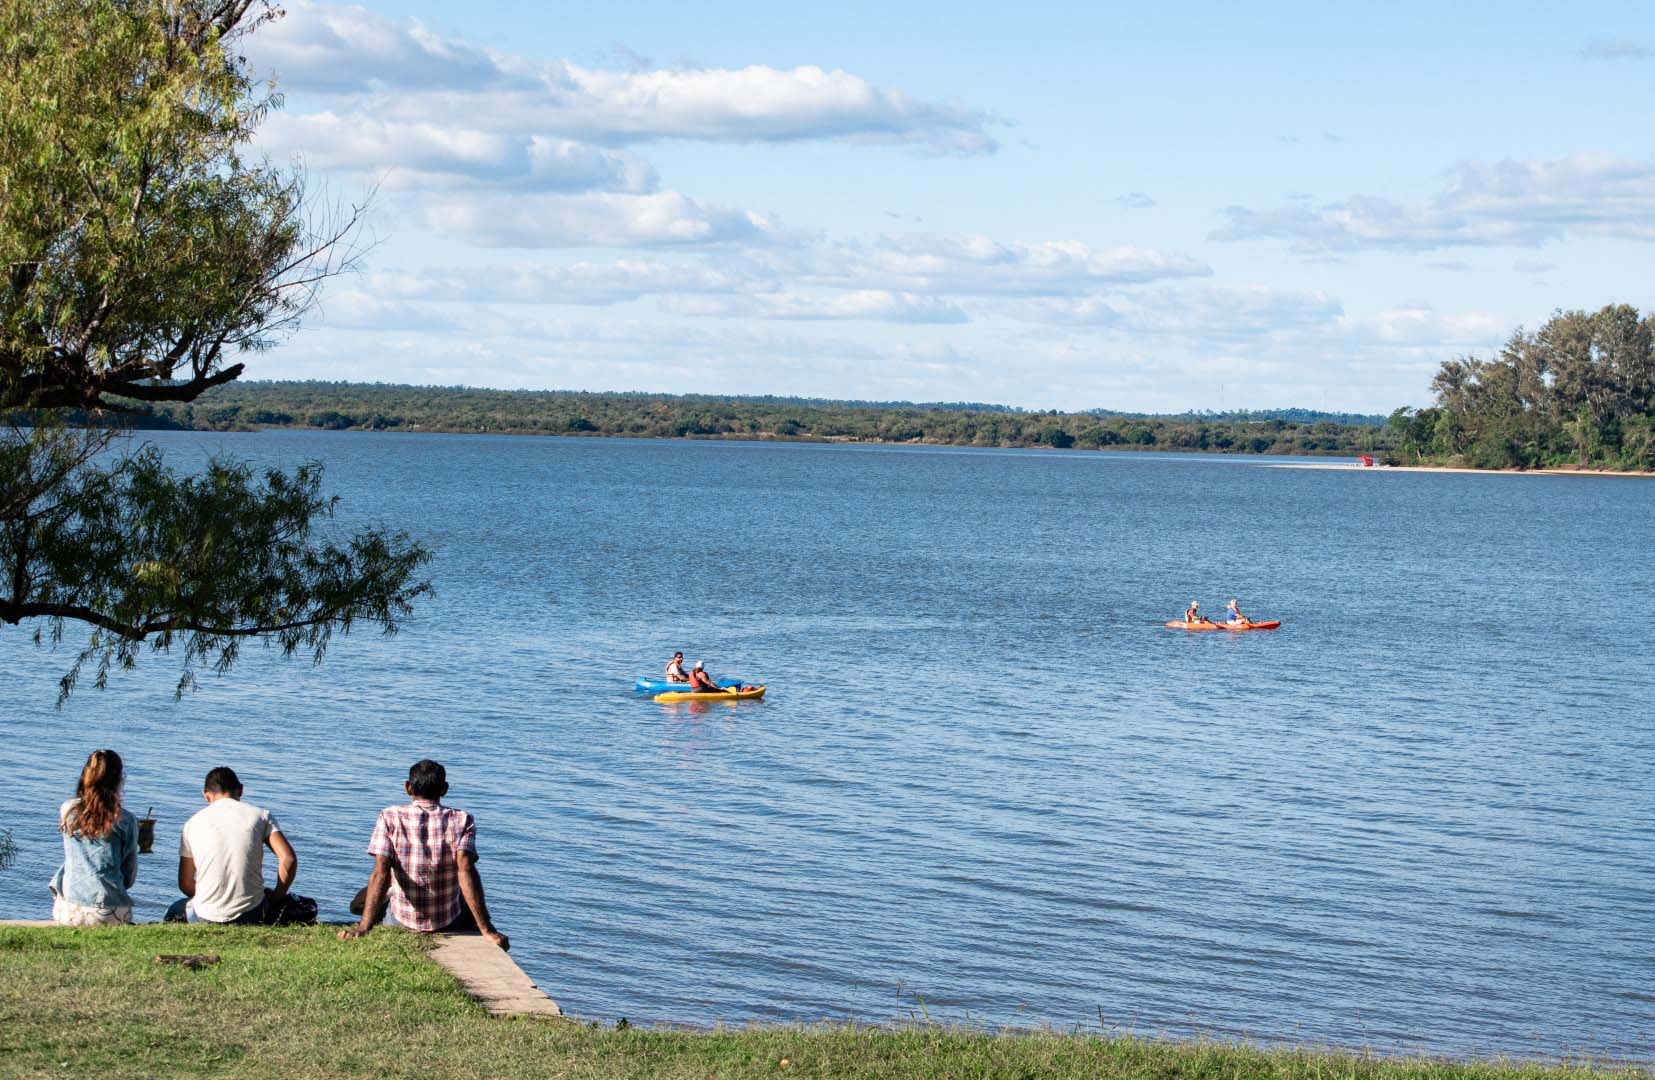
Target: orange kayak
[1230, 626]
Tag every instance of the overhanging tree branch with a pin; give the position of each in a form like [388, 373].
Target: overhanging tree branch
[140, 248]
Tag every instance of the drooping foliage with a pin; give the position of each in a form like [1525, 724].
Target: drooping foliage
[141, 251]
[1579, 391]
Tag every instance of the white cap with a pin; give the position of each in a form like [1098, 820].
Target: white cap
[700, 663]
[1195, 603]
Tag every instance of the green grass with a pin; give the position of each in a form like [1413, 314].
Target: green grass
[298, 1003]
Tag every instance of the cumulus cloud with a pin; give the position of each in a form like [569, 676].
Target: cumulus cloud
[967, 265]
[419, 154]
[1516, 203]
[1420, 325]
[1212, 312]
[876, 305]
[592, 284]
[358, 309]
[401, 71]
[603, 219]
[344, 48]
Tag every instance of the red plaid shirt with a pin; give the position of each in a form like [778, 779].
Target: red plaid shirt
[423, 840]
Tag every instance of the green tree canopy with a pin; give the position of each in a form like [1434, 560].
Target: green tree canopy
[140, 253]
[1580, 390]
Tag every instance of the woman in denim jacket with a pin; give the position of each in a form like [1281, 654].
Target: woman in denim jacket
[100, 849]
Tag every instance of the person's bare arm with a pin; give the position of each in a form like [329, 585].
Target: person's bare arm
[287, 864]
[471, 888]
[373, 907]
[186, 875]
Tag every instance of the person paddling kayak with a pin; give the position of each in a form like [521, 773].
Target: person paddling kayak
[675, 669]
[701, 682]
[1233, 614]
[1192, 614]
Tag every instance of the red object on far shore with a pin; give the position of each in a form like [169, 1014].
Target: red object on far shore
[1367, 462]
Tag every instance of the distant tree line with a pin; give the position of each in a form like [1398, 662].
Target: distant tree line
[376, 407]
[1578, 392]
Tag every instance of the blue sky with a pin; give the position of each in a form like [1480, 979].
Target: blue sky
[1054, 206]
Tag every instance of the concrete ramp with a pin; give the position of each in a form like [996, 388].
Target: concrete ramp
[491, 977]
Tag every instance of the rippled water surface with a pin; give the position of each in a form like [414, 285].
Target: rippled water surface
[987, 785]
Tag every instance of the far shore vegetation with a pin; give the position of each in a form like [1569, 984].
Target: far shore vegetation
[299, 1002]
[379, 407]
[1577, 394]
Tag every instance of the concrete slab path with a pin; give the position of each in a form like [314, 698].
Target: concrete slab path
[491, 977]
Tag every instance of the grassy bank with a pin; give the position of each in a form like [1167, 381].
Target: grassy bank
[298, 1003]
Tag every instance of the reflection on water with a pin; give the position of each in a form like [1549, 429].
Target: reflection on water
[985, 777]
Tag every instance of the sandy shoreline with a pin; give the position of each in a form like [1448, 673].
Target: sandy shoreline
[1402, 470]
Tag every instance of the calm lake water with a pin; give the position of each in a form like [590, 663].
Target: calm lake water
[987, 785]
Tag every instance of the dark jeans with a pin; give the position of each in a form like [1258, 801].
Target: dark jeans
[252, 917]
[463, 923]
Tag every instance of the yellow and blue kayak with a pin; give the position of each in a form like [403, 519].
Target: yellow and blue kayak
[728, 695]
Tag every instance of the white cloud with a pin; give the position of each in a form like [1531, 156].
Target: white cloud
[1419, 325]
[401, 71]
[412, 154]
[964, 265]
[358, 309]
[1617, 49]
[341, 48]
[876, 305]
[1210, 312]
[1510, 203]
[580, 283]
[1135, 200]
[665, 219]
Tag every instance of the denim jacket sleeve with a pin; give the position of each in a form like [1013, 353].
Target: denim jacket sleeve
[129, 849]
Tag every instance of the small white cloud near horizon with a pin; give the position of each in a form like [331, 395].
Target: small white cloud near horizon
[1205, 312]
[1509, 203]
[963, 264]
[1606, 48]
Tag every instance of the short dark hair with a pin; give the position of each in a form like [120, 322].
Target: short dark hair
[427, 779]
[222, 781]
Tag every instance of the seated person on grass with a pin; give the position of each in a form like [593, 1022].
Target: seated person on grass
[100, 849]
[425, 862]
[221, 860]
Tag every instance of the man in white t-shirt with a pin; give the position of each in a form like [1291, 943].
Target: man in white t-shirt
[221, 856]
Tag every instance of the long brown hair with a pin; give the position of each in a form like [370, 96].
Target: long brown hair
[99, 795]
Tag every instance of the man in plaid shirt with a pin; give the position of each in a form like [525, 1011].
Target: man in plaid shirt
[425, 862]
